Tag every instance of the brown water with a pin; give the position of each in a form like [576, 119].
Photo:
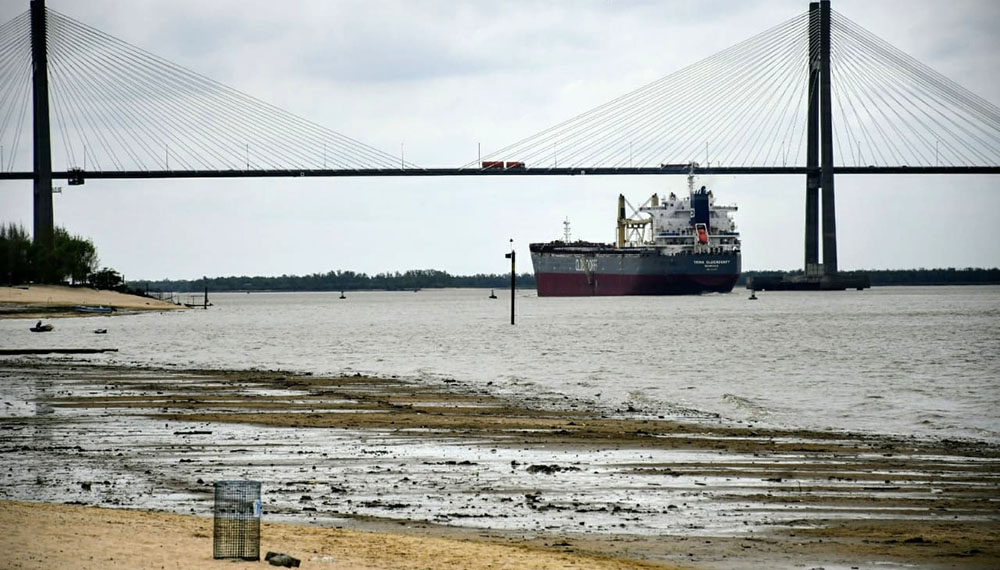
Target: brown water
[904, 360]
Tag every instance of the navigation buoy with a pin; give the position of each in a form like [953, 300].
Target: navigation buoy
[753, 295]
[492, 294]
[342, 295]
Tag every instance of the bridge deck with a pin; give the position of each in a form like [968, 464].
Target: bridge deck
[592, 171]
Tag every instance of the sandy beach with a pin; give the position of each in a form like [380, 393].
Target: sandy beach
[47, 301]
[40, 536]
[441, 468]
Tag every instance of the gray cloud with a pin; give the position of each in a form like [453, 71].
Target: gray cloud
[441, 77]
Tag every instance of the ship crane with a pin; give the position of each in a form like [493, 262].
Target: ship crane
[635, 229]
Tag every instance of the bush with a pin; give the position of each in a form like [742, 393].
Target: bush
[106, 278]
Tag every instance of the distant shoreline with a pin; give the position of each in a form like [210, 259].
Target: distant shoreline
[415, 280]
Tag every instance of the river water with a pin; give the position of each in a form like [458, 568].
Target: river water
[894, 360]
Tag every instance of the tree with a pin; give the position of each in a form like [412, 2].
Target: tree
[71, 258]
[15, 254]
[106, 278]
[75, 257]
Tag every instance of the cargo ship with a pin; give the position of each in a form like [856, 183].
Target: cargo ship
[668, 246]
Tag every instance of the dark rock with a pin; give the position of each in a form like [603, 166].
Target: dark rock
[972, 552]
[549, 469]
[281, 559]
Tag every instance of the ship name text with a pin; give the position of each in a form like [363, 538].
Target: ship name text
[712, 264]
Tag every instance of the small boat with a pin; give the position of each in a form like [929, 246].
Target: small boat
[89, 309]
[100, 331]
[42, 328]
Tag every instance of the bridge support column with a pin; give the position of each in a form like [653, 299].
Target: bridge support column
[812, 147]
[819, 174]
[819, 147]
[826, 129]
[44, 225]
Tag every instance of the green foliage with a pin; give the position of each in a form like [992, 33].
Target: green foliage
[887, 277]
[72, 258]
[106, 278]
[75, 257]
[15, 254]
[343, 281]
[433, 279]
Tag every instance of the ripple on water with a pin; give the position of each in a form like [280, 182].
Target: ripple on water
[860, 361]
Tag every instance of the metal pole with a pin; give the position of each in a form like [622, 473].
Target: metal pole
[44, 224]
[826, 128]
[513, 275]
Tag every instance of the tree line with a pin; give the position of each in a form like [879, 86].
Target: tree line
[889, 277]
[341, 281]
[72, 259]
[435, 279]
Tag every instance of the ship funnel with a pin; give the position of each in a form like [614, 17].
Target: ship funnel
[621, 220]
[655, 201]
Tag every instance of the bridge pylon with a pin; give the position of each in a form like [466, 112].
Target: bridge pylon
[819, 174]
[44, 225]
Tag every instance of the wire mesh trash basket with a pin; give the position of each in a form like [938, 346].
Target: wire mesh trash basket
[236, 532]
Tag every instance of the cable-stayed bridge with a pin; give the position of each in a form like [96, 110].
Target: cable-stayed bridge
[816, 95]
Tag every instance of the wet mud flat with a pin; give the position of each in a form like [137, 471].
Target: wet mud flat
[439, 458]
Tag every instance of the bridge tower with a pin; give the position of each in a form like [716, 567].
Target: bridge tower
[821, 214]
[819, 147]
[44, 226]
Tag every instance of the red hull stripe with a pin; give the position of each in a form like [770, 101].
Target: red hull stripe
[583, 285]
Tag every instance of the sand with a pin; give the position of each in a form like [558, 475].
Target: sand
[43, 301]
[49, 537]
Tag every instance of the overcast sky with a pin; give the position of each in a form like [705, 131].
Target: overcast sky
[441, 77]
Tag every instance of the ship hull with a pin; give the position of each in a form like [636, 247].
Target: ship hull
[605, 271]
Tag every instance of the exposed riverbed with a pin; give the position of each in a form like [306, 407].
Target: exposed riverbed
[363, 452]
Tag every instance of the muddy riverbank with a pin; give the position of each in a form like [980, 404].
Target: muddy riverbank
[439, 459]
